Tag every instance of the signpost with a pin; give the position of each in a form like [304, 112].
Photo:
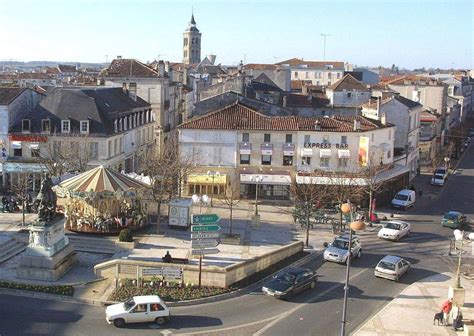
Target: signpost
[204, 235]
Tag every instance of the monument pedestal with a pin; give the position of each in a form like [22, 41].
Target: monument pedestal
[49, 255]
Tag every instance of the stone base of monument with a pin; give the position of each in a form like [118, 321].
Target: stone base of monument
[49, 255]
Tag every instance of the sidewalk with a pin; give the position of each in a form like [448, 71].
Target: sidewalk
[412, 311]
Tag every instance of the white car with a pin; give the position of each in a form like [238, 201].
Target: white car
[392, 267]
[394, 230]
[438, 179]
[145, 308]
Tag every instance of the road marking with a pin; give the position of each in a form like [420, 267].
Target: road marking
[310, 299]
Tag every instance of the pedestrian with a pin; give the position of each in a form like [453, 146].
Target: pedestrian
[446, 308]
[167, 258]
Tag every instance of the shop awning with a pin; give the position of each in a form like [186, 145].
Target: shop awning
[324, 153]
[306, 152]
[34, 145]
[16, 144]
[207, 179]
[343, 153]
[266, 179]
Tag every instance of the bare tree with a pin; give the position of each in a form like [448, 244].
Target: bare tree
[19, 187]
[370, 175]
[310, 196]
[230, 200]
[167, 169]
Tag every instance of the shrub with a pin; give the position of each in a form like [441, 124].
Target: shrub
[125, 235]
[60, 289]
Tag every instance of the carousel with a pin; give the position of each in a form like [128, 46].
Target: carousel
[103, 201]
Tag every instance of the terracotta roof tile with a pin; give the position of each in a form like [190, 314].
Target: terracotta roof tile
[129, 68]
[261, 66]
[313, 64]
[8, 94]
[348, 82]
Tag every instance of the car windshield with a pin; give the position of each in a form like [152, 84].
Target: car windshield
[129, 304]
[439, 176]
[401, 197]
[386, 265]
[341, 244]
[285, 277]
[440, 171]
[393, 226]
[451, 215]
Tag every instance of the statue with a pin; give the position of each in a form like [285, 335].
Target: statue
[46, 200]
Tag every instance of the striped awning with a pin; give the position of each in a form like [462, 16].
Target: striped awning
[99, 180]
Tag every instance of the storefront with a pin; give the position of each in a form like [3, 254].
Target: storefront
[273, 187]
[12, 172]
[214, 184]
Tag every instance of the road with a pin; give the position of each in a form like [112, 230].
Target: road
[313, 312]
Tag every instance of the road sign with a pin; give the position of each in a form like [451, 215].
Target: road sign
[152, 271]
[205, 251]
[203, 243]
[204, 235]
[206, 219]
[172, 273]
[206, 228]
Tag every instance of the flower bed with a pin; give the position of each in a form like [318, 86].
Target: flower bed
[61, 290]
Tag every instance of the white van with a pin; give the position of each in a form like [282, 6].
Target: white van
[404, 199]
[145, 308]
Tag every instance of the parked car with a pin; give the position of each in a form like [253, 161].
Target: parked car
[438, 179]
[338, 252]
[289, 282]
[394, 230]
[392, 267]
[454, 220]
[146, 308]
[404, 199]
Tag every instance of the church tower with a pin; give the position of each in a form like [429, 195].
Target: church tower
[191, 43]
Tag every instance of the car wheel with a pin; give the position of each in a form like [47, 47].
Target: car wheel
[397, 278]
[312, 285]
[160, 320]
[119, 323]
[359, 254]
[397, 238]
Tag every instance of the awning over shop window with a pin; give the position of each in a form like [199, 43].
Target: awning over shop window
[34, 145]
[343, 153]
[266, 179]
[306, 152]
[207, 179]
[324, 153]
[16, 144]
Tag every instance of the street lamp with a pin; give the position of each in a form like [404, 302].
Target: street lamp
[446, 160]
[357, 225]
[213, 174]
[201, 200]
[258, 179]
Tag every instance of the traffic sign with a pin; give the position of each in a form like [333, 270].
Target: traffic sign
[200, 228]
[152, 271]
[172, 273]
[205, 251]
[206, 219]
[203, 243]
[204, 235]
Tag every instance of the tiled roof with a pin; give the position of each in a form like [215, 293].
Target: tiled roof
[348, 82]
[8, 94]
[401, 80]
[313, 64]
[33, 75]
[258, 66]
[427, 116]
[67, 68]
[240, 117]
[129, 68]
[300, 100]
[51, 71]
[407, 102]
[298, 84]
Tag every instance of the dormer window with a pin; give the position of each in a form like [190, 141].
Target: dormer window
[84, 126]
[25, 125]
[65, 126]
[45, 126]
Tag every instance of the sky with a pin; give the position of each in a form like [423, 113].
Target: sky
[407, 33]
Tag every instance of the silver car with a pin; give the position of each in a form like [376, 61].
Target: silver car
[392, 267]
[337, 251]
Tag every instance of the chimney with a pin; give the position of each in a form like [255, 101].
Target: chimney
[119, 57]
[185, 75]
[167, 66]
[161, 68]
[132, 91]
[356, 125]
[383, 119]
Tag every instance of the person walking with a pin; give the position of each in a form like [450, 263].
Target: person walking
[446, 308]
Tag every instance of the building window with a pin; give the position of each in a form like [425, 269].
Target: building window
[389, 134]
[17, 152]
[266, 138]
[245, 137]
[45, 126]
[266, 160]
[84, 126]
[94, 150]
[373, 135]
[296, 74]
[343, 139]
[343, 162]
[110, 148]
[25, 125]
[35, 152]
[289, 138]
[244, 158]
[307, 74]
[324, 162]
[389, 154]
[349, 94]
[65, 126]
[325, 139]
[338, 75]
[306, 160]
[307, 139]
[329, 75]
[287, 160]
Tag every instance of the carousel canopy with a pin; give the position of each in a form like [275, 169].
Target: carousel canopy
[99, 180]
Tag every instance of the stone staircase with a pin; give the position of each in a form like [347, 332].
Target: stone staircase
[10, 247]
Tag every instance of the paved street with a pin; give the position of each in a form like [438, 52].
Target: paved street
[314, 312]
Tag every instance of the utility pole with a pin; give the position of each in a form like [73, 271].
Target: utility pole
[324, 44]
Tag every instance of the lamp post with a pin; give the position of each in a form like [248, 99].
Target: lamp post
[201, 200]
[356, 226]
[446, 160]
[213, 174]
[258, 179]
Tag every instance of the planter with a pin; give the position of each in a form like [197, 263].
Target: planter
[235, 239]
[469, 328]
[255, 221]
[458, 295]
[125, 246]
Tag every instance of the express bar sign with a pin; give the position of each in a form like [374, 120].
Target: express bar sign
[28, 138]
[325, 145]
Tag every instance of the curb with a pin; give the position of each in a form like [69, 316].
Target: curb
[48, 296]
[236, 293]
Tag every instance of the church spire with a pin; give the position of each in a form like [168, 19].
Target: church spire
[192, 19]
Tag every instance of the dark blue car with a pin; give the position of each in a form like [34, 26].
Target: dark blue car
[289, 282]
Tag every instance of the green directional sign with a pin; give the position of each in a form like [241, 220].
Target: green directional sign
[205, 228]
[206, 219]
